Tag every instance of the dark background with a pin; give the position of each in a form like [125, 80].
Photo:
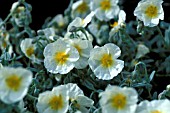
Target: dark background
[41, 9]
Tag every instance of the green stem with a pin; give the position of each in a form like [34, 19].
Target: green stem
[6, 19]
[160, 32]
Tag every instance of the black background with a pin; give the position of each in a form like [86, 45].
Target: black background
[41, 9]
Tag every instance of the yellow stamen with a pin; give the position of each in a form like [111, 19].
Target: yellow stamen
[4, 44]
[13, 82]
[119, 101]
[151, 11]
[83, 7]
[107, 60]
[105, 5]
[19, 9]
[61, 58]
[156, 111]
[56, 102]
[61, 24]
[78, 48]
[114, 24]
[29, 51]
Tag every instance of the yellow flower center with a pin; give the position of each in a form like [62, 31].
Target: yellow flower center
[119, 101]
[151, 11]
[19, 9]
[106, 60]
[61, 58]
[78, 48]
[114, 24]
[30, 51]
[56, 102]
[105, 5]
[83, 7]
[156, 111]
[61, 24]
[13, 82]
[4, 44]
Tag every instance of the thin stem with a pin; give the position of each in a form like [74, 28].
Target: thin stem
[6, 19]
[160, 32]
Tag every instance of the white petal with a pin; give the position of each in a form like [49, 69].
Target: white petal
[113, 49]
[117, 68]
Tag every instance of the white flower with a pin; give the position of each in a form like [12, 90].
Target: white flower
[117, 25]
[73, 90]
[83, 47]
[55, 101]
[60, 57]
[118, 100]
[82, 103]
[77, 98]
[29, 49]
[14, 6]
[80, 8]
[59, 20]
[79, 22]
[149, 11]
[154, 106]
[104, 63]
[14, 84]
[49, 33]
[105, 9]
[142, 50]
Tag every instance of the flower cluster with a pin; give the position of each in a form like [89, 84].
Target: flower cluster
[87, 60]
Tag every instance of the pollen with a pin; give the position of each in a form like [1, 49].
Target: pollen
[106, 60]
[29, 51]
[61, 24]
[114, 24]
[119, 101]
[151, 11]
[156, 111]
[78, 48]
[13, 82]
[4, 44]
[105, 5]
[56, 102]
[83, 7]
[61, 58]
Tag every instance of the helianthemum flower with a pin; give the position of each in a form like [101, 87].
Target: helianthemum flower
[77, 98]
[60, 57]
[117, 25]
[105, 9]
[14, 84]
[154, 106]
[104, 63]
[118, 100]
[80, 8]
[55, 101]
[79, 22]
[58, 22]
[28, 48]
[149, 11]
[83, 47]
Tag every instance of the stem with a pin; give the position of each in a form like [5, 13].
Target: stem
[160, 32]
[31, 97]
[6, 19]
